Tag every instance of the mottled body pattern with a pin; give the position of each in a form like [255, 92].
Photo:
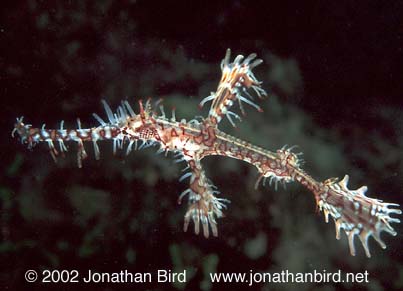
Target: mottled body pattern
[193, 140]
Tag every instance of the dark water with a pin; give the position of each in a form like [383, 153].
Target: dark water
[334, 78]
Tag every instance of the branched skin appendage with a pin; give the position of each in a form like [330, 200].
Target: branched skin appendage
[191, 141]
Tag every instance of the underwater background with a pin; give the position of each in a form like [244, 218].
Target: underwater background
[333, 72]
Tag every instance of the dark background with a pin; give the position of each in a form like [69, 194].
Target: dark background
[334, 74]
